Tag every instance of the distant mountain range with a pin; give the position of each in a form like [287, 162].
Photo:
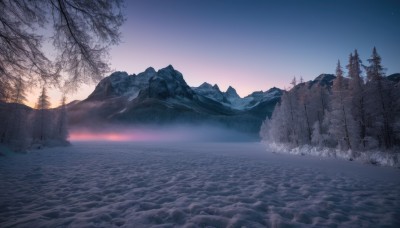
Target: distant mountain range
[163, 98]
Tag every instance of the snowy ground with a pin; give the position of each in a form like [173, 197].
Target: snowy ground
[192, 185]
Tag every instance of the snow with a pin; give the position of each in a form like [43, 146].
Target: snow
[122, 110]
[375, 157]
[133, 95]
[209, 91]
[138, 184]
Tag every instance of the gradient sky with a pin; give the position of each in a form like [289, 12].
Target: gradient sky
[252, 45]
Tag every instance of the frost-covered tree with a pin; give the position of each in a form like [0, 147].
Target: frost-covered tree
[351, 115]
[305, 122]
[290, 108]
[380, 104]
[276, 129]
[357, 94]
[61, 130]
[318, 100]
[340, 118]
[14, 123]
[42, 119]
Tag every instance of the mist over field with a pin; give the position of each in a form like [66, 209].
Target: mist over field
[156, 133]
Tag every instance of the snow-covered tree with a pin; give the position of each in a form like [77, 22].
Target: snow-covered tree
[305, 122]
[351, 115]
[380, 104]
[276, 129]
[357, 94]
[318, 101]
[42, 119]
[340, 118]
[14, 124]
[61, 130]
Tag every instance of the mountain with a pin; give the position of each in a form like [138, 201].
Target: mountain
[324, 80]
[163, 97]
[394, 77]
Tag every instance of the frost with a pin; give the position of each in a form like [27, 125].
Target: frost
[374, 157]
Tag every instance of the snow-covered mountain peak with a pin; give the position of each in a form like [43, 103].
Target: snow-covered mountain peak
[231, 93]
[169, 73]
[209, 91]
[143, 78]
[117, 77]
[168, 82]
[215, 86]
[205, 85]
[150, 70]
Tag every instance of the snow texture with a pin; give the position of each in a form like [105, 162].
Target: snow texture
[192, 185]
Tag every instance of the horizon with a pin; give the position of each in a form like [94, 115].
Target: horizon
[250, 46]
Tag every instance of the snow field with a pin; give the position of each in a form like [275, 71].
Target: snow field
[192, 185]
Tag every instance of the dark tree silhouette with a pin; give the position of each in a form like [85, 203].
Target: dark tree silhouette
[82, 33]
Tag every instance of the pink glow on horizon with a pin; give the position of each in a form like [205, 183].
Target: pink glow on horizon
[121, 135]
[90, 136]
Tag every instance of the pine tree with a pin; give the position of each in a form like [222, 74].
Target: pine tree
[340, 116]
[42, 120]
[357, 94]
[61, 130]
[306, 122]
[294, 82]
[380, 103]
[375, 71]
[14, 131]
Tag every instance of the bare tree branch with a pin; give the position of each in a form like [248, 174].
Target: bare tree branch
[82, 33]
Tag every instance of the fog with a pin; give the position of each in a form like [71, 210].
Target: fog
[175, 133]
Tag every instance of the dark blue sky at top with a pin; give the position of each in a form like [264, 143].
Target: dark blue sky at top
[254, 45]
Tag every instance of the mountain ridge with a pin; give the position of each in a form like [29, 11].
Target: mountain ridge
[163, 97]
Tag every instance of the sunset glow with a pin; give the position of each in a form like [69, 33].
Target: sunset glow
[89, 136]
[250, 46]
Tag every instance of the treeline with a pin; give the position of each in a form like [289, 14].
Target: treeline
[22, 127]
[356, 113]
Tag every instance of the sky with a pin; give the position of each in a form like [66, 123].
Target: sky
[251, 45]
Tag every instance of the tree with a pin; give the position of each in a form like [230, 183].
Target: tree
[42, 120]
[318, 104]
[340, 118]
[375, 71]
[380, 102]
[276, 129]
[14, 124]
[82, 34]
[357, 94]
[61, 130]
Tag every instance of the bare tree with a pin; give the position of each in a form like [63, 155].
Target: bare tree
[82, 34]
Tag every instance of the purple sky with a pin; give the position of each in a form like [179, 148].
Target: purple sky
[252, 45]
